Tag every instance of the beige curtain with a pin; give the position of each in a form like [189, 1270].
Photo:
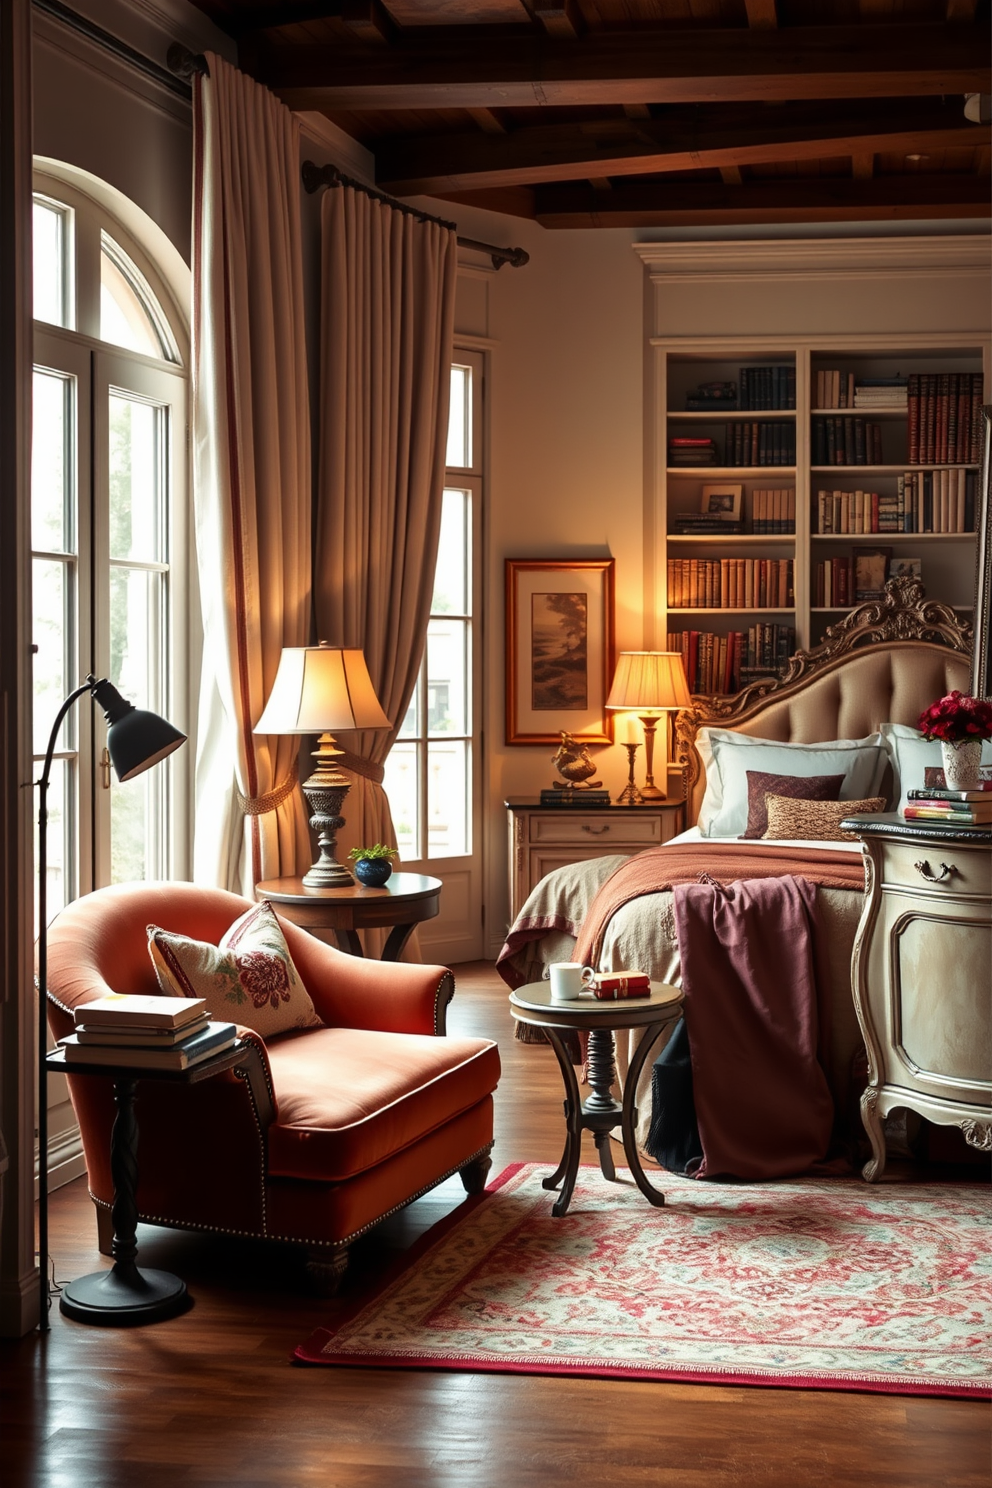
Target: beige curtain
[251, 473]
[387, 319]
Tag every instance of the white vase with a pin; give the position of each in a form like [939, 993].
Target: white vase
[962, 758]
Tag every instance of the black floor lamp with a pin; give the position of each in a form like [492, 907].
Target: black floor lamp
[136, 740]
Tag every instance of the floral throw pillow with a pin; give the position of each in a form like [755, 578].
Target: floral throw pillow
[249, 978]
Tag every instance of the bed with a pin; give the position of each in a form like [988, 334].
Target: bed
[863, 687]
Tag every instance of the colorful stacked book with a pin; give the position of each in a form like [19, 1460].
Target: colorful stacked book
[683, 450]
[958, 808]
[142, 1032]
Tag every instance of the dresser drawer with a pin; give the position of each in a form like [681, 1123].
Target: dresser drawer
[937, 869]
[633, 832]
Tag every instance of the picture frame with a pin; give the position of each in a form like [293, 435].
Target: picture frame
[722, 500]
[871, 567]
[905, 568]
[560, 649]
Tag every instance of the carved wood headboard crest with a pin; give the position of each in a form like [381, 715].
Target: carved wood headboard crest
[902, 614]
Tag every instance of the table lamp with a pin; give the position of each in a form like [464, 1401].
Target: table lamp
[317, 689]
[649, 683]
[136, 740]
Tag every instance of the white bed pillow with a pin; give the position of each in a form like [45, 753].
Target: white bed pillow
[727, 757]
[911, 754]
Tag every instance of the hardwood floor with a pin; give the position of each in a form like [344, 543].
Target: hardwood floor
[211, 1398]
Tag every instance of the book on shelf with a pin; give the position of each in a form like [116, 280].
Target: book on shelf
[574, 796]
[768, 386]
[210, 1041]
[134, 1035]
[730, 583]
[759, 443]
[983, 792]
[716, 663]
[704, 524]
[773, 512]
[130, 1009]
[846, 441]
[944, 418]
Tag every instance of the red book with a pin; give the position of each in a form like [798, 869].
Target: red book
[613, 985]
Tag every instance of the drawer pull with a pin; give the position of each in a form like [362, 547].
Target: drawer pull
[595, 831]
[924, 870]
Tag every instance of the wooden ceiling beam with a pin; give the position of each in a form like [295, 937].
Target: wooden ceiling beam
[446, 69]
[863, 165]
[961, 10]
[692, 203]
[682, 140]
[558, 17]
[487, 121]
[761, 14]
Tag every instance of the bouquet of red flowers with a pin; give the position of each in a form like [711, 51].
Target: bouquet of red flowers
[956, 717]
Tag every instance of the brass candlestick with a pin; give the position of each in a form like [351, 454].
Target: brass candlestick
[630, 795]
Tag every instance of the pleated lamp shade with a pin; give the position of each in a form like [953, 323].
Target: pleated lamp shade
[649, 682]
[320, 689]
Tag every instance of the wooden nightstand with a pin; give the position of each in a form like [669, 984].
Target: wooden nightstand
[546, 837]
[920, 975]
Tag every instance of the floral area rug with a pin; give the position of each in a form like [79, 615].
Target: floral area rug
[827, 1284]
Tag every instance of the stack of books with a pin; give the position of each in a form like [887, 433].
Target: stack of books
[881, 392]
[958, 808]
[692, 452]
[575, 797]
[140, 1032]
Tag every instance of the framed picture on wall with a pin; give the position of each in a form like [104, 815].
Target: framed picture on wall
[871, 566]
[559, 649]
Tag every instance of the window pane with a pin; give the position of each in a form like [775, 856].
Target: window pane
[410, 728]
[130, 315]
[50, 230]
[51, 582]
[137, 814]
[58, 843]
[453, 556]
[51, 463]
[447, 799]
[460, 419]
[447, 669]
[401, 784]
[137, 608]
[137, 479]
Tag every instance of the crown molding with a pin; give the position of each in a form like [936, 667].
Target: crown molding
[804, 258]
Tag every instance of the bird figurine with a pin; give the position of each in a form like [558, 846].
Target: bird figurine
[572, 760]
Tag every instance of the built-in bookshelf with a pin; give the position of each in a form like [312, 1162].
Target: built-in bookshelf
[856, 461]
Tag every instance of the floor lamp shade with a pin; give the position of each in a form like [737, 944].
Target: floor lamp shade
[649, 683]
[136, 740]
[319, 689]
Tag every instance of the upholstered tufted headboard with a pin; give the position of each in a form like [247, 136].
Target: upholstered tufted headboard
[885, 662]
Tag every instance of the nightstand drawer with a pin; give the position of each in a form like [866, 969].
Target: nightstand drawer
[632, 831]
[938, 869]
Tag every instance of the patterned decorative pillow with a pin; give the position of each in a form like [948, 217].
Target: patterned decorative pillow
[799, 788]
[814, 821]
[249, 978]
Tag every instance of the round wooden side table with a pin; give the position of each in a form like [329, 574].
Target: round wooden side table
[601, 1112]
[406, 900]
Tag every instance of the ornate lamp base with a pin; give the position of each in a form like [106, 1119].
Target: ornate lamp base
[630, 795]
[325, 792]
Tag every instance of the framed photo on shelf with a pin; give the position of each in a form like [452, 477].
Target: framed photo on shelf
[905, 568]
[722, 501]
[559, 649]
[871, 568]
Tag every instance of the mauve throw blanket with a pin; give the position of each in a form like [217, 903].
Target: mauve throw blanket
[757, 1028]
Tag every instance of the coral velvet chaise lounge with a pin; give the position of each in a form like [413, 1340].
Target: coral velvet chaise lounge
[321, 1132]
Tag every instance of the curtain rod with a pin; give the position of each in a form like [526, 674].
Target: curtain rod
[315, 176]
[167, 76]
[187, 64]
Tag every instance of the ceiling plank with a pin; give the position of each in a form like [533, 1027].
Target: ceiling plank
[730, 175]
[681, 203]
[368, 21]
[863, 165]
[761, 14]
[558, 17]
[487, 121]
[682, 140]
[448, 70]
[961, 10]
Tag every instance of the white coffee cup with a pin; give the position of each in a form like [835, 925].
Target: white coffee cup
[568, 979]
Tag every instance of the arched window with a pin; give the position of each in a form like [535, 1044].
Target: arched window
[108, 528]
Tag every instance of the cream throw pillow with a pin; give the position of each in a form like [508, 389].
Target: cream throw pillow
[249, 978]
[814, 821]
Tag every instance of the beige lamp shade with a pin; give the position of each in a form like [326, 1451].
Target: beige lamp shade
[320, 689]
[649, 682]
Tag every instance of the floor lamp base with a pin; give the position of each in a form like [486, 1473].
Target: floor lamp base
[124, 1297]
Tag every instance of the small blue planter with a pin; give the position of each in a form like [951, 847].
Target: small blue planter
[373, 872]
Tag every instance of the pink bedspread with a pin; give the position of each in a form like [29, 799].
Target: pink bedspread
[756, 1026]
